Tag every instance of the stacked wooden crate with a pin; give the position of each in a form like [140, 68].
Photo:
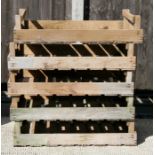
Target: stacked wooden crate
[71, 82]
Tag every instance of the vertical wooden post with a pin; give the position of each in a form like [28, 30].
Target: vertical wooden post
[14, 102]
[131, 127]
[130, 49]
[32, 127]
[17, 132]
[130, 22]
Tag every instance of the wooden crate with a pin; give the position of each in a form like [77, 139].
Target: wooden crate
[71, 108]
[82, 120]
[102, 66]
[72, 133]
[44, 31]
[70, 60]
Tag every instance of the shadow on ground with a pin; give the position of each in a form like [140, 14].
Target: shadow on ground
[144, 129]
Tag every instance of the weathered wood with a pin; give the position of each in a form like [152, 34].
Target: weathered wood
[99, 10]
[17, 22]
[56, 36]
[75, 139]
[78, 25]
[46, 100]
[68, 114]
[75, 50]
[118, 50]
[32, 127]
[78, 63]
[77, 89]
[22, 13]
[128, 17]
[111, 9]
[130, 101]
[131, 127]
[126, 13]
[46, 49]
[89, 50]
[27, 73]
[11, 49]
[17, 129]
[130, 53]
[14, 102]
[104, 50]
[12, 77]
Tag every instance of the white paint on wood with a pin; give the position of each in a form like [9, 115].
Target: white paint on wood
[77, 9]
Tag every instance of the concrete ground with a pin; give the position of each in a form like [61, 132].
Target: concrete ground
[144, 147]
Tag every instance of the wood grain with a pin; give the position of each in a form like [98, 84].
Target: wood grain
[74, 88]
[56, 36]
[75, 139]
[98, 10]
[67, 63]
[71, 113]
[78, 25]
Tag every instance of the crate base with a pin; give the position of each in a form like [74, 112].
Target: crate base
[75, 139]
[33, 138]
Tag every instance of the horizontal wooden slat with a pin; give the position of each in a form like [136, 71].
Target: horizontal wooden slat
[75, 139]
[63, 36]
[78, 113]
[66, 63]
[77, 89]
[79, 25]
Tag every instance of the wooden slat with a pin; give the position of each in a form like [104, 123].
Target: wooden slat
[130, 48]
[14, 102]
[17, 128]
[32, 127]
[68, 114]
[12, 76]
[75, 50]
[27, 73]
[89, 50]
[17, 22]
[130, 53]
[104, 50]
[118, 50]
[74, 88]
[126, 13]
[11, 49]
[131, 127]
[63, 36]
[79, 25]
[76, 139]
[46, 49]
[65, 63]
[22, 13]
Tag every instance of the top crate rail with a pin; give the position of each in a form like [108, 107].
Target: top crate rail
[47, 31]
